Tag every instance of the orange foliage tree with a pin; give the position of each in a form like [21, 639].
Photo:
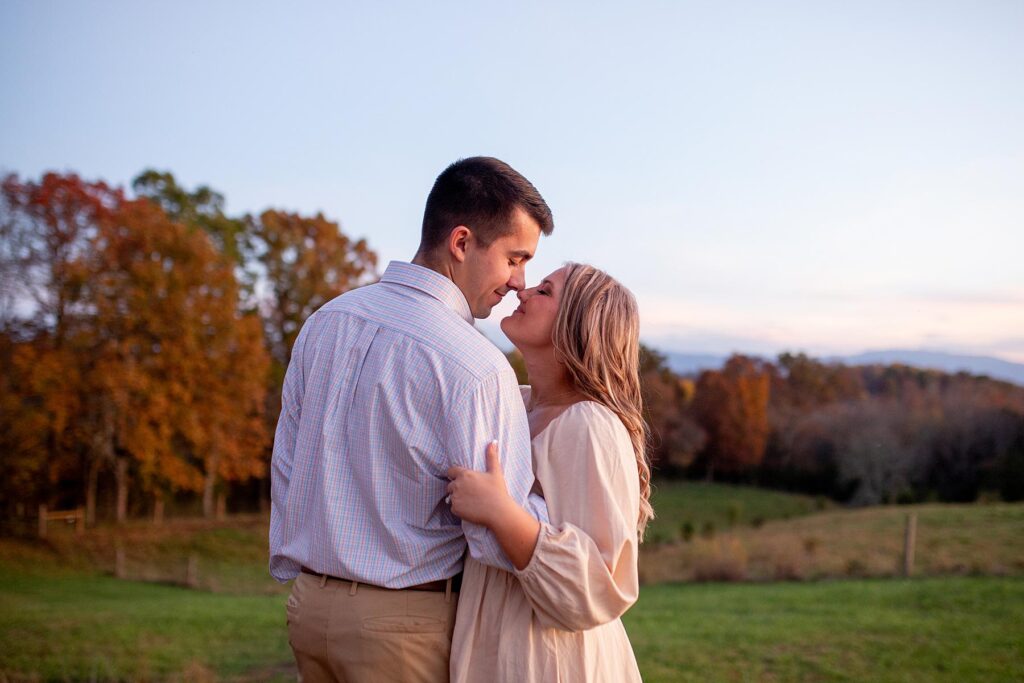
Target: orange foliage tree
[732, 407]
[183, 366]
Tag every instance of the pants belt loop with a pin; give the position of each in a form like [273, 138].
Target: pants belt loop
[448, 590]
[323, 580]
[352, 588]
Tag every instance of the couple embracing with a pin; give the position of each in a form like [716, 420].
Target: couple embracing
[440, 521]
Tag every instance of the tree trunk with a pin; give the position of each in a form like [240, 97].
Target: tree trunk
[158, 509]
[121, 476]
[209, 489]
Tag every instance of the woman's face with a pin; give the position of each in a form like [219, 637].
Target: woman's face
[531, 324]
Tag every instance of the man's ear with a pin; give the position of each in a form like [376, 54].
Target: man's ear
[458, 242]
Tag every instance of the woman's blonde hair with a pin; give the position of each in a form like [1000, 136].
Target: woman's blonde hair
[597, 337]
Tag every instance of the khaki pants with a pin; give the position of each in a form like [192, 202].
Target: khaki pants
[356, 633]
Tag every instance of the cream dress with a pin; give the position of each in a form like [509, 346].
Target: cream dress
[558, 618]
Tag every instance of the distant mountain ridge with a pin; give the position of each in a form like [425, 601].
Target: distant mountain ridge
[997, 368]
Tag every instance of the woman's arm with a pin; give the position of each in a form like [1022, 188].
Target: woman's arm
[583, 572]
[482, 498]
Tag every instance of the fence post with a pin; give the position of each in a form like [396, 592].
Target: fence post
[119, 571]
[909, 538]
[192, 572]
[42, 521]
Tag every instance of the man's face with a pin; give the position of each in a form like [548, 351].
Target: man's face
[490, 272]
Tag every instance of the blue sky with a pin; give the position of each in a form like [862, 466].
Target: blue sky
[830, 177]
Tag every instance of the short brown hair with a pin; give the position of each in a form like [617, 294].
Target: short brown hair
[480, 193]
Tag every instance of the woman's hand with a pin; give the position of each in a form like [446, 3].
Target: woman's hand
[482, 498]
[479, 497]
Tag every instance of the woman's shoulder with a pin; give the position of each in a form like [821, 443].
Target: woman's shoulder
[595, 421]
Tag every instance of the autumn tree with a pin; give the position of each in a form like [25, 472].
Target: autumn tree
[183, 368]
[49, 228]
[202, 208]
[732, 407]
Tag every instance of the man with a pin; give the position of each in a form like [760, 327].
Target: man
[388, 386]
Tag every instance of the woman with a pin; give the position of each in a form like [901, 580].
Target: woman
[556, 618]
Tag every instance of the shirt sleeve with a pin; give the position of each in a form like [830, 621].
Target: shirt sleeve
[583, 572]
[282, 568]
[493, 410]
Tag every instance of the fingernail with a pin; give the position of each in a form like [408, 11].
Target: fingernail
[494, 442]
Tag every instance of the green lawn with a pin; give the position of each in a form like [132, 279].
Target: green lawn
[928, 630]
[71, 627]
[68, 627]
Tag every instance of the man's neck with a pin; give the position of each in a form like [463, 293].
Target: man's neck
[443, 268]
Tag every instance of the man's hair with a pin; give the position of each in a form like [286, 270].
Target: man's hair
[480, 193]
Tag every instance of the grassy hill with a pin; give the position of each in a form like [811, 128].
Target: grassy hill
[715, 532]
[702, 506]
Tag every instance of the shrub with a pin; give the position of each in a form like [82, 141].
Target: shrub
[720, 560]
[734, 512]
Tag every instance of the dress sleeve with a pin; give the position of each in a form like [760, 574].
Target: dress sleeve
[583, 572]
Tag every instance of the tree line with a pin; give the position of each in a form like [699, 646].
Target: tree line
[858, 434]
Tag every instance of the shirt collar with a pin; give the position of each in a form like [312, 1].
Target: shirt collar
[430, 282]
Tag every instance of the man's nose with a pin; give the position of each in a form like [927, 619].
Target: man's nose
[518, 280]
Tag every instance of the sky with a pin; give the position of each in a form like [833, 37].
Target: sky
[828, 177]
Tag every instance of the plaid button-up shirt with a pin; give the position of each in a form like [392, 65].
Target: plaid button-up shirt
[388, 386]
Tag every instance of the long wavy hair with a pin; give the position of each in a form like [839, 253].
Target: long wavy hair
[597, 338]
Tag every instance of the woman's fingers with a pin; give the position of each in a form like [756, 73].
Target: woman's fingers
[493, 461]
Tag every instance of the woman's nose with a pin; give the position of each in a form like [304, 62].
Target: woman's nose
[521, 295]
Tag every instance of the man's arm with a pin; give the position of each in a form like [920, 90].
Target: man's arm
[493, 411]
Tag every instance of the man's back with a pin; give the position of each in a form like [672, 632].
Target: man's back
[388, 386]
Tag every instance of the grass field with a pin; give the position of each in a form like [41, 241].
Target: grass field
[63, 616]
[928, 630]
[74, 627]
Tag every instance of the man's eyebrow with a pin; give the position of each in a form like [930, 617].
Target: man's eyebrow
[523, 254]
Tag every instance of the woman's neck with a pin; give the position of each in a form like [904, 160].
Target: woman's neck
[549, 382]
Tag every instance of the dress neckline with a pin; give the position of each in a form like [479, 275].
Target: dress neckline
[562, 414]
